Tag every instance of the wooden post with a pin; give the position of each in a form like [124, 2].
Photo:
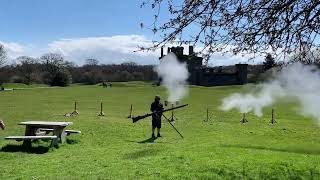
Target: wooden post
[172, 112]
[173, 117]
[75, 112]
[244, 119]
[130, 113]
[101, 109]
[273, 120]
[207, 114]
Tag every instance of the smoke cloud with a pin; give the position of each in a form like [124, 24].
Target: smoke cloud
[174, 77]
[296, 81]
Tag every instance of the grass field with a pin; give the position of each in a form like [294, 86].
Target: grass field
[113, 147]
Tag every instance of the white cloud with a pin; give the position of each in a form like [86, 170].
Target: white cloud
[111, 49]
[218, 59]
[114, 49]
[13, 49]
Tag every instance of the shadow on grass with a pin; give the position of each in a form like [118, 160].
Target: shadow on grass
[141, 153]
[21, 148]
[289, 150]
[149, 140]
[71, 141]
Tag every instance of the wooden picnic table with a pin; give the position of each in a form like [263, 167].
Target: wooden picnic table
[32, 127]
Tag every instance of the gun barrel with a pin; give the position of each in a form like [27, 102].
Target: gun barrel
[135, 119]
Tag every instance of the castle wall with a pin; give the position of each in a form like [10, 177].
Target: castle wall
[242, 73]
[206, 76]
[217, 79]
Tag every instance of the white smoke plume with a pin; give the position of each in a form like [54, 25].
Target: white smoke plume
[295, 82]
[174, 77]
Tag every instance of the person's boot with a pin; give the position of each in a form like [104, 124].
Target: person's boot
[159, 135]
[153, 137]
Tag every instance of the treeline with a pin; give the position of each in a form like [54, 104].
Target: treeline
[54, 70]
[93, 74]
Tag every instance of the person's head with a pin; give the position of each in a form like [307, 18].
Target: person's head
[157, 98]
[2, 126]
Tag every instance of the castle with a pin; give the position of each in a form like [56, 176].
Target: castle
[201, 75]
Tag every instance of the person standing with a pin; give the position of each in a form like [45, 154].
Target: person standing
[2, 125]
[156, 108]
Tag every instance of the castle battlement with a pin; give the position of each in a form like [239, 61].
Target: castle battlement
[207, 76]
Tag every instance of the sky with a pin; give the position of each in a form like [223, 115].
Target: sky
[107, 30]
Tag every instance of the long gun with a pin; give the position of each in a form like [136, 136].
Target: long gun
[135, 119]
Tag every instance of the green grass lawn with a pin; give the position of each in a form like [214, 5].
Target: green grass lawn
[22, 86]
[112, 147]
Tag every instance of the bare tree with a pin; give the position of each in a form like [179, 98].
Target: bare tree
[27, 67]
[3, 55]
[53, 62]
[238, 26]
[92, 62]
[56, 72]
[70, 64]
[307, 55]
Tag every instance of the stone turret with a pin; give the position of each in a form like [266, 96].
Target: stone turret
[161, 52]
[191, 50]
[242, 71]
[177, 50]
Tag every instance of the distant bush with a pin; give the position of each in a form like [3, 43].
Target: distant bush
[16, 79]
[92, 77]
[61, 78]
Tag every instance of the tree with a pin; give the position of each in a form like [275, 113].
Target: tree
[56, 73]
[92, 77]
[26, 68]
[92, 62]
[3, 55]
[3, 58]
[129, 63]
[269, 62]
[62, 78]
[69, 64]
[307, 55]
[239, 26]
[53, 62]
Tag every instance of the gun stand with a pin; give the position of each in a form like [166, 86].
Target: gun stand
[244, 119]
[273, 120]
[130, 114]
[173, 117]
[172, 126]
[75, 112]
[101, 109]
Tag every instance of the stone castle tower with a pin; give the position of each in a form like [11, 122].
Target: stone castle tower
[207, 76]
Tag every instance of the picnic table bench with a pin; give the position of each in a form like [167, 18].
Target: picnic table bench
[21, 138]
[30, 138]
[67, 131]
[32, 132]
